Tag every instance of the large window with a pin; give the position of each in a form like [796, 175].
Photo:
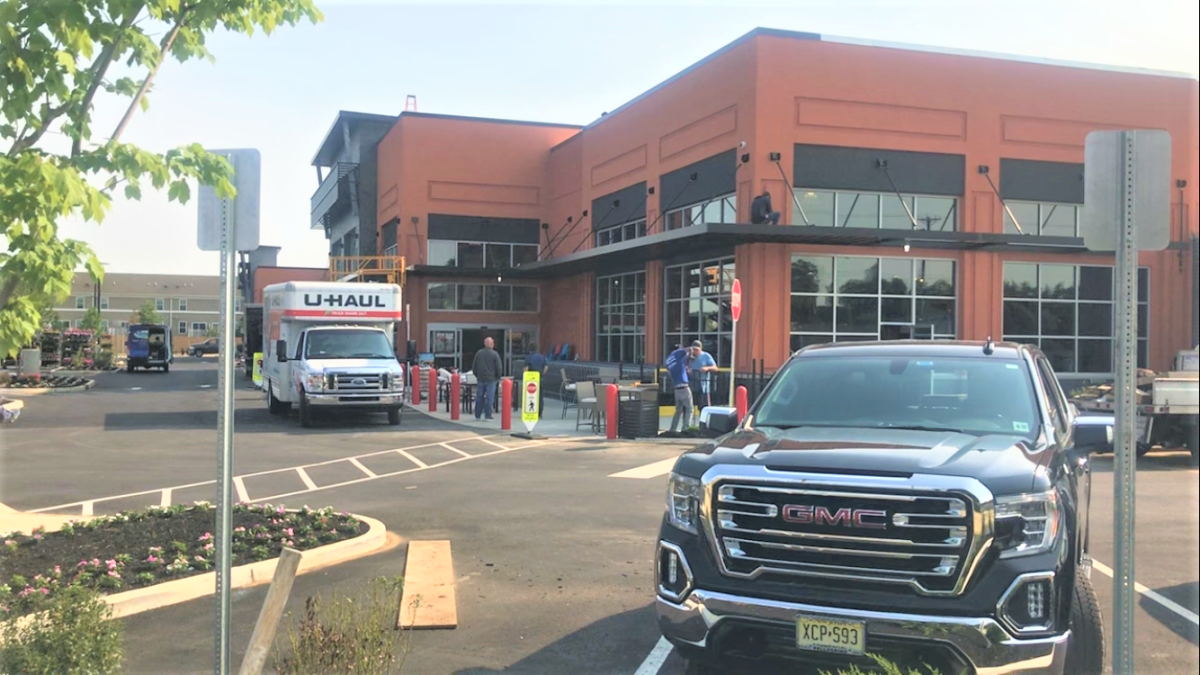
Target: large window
[1047, 219]
[479, 255]
[1067, 310]
[849, 298]
[873, 210]
[716, 210]
[621, 318]
[696, 307]
[619, 233]
[481, 298]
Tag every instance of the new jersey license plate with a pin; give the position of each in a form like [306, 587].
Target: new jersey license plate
[831, 635]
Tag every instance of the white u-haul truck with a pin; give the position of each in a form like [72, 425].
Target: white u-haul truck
[328, 346]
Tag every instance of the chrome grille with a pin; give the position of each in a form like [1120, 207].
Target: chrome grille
[352, 382]
[922, 540]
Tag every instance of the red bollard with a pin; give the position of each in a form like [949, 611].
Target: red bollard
[741, 399]
[433, 390]
[610, 422]
[455, 396]
[505, 404]
[415, 396]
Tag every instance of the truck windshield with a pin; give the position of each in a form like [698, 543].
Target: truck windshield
[347, 344]
[977, 396]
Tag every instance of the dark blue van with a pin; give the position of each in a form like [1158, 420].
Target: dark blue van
[148, 346]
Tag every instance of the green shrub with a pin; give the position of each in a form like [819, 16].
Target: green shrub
[885, 667]
[73, 636]
[346, 634]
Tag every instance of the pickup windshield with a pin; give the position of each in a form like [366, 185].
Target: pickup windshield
[347, 344]
[977, 396]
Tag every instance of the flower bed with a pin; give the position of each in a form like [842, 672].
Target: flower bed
[142, 548]
[43, 382]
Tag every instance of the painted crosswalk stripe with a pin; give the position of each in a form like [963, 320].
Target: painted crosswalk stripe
[454, 449]
[359, 465]
[648, 471]
[412, 459]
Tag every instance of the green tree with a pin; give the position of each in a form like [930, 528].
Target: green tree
[91, 319]
[147, 313]
[55, 58]
[213, 330]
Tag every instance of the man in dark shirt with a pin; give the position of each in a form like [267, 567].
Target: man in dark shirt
[487, 369]
[536, 363]
[760, 210]
[677, 368]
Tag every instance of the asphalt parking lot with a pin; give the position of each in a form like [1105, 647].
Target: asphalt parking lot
[552, 553]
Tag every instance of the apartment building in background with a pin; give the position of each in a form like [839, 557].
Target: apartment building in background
[923, 193]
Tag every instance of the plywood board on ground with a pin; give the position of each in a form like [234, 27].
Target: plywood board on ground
[428, 600]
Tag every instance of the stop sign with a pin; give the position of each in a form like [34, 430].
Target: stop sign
[531, 388]
[735, 300]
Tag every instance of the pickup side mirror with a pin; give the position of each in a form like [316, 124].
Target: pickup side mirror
[281, 351]
[1094, 433]
[718, 420]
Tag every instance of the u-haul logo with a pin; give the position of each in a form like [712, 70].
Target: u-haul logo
[340, 300]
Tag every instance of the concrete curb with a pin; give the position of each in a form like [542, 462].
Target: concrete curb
[47, 390]
[244, 576]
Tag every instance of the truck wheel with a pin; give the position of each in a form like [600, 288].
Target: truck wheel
[394, 417]
[166, 367]
[274, 405]
[1085, 653]
[306, 420]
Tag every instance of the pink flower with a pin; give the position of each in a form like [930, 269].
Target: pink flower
[45, 591]
[9, 542]
[82, 563]
[112, 564]
[37, 537]
[151, 559]
[57, 570]
[289, 532]
[114, 573]
[200, 558]
[280, 510]
[208, 547]
[205, 537]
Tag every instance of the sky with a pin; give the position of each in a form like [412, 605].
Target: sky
[563, 62]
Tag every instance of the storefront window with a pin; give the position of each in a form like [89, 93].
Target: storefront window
[1047, 219]
[482, 297]
[621, 318]
[872, 210]
[716, 210]
[696, 307]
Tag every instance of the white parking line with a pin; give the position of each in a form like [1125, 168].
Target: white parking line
[360, 467]
[1156, 597]
[648, 471]
[165, 499]
[656, 658]
[308, 482]
[451, 448]
[239, 486]
[412, 459]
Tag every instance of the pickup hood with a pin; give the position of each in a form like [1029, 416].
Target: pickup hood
[352, 365]
[1005, 464]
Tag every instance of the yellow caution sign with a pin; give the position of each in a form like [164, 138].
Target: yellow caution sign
[530, 405]
[257, 372]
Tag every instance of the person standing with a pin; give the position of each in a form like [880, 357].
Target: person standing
[677, 368]
[487, 369]
[702, 366]
[536, 363]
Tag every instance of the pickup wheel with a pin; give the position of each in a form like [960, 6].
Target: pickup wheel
[306, 419]
[1085, 653]
[394, 417]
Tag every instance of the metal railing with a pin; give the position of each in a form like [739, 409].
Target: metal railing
[335, 194]
[385, 268]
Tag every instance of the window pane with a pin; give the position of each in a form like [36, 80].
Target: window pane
[896, 276]
[729, 209]
[712, 212]
[710, 277]
[441, 296]
[691, 280]
[1061, 354]
[1027, 218]
[936, 313]
[894, 215]
[938, 214]
[709, 315]
[470, 255]
[470, 296]
[898, 310]
[935, 277]
[1058, 318]
[1143, 284]
[812, 313]
[602, 349]
[1095, 356]
[674, 220]
[691, 317]
[811, 274]
[499, 256]
[1058, 220]
[1095, 283]
[1058, 281]
[1143, 353]
[674, 316]
[1020, 318]
[857, 275]
[799, 342]
[858, 315]
[523, 254]
[1095, 318]
[1020, 280]
[499, 298]
[525, 298]
[858, 210]
[818, 206]
[1143, 318]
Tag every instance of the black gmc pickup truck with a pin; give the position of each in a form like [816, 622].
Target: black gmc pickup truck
[924, 502]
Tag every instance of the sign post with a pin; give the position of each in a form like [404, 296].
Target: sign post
[735, 310]
[1126, 208]
[531, 402]
[227, 225]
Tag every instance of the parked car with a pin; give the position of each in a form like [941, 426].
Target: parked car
[923, 501]
[209, 346]
[148, 346]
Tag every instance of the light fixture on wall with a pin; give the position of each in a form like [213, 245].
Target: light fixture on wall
[499, 278]
[907, 246]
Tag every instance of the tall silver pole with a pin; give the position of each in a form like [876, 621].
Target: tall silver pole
[225, 439]
[1126, 441]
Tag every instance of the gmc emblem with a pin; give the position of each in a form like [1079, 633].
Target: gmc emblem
[805, 514]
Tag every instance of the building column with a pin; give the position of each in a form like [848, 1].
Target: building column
[654, 312]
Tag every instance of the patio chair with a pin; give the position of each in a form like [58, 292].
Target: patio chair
[587, 403]
[566, 392]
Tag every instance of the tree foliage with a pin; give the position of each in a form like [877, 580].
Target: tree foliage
[55, 62]
[147, 313]
[91, 319]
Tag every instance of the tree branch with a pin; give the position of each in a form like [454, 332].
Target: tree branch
[6, 292]
[98, 69]
[165, 46]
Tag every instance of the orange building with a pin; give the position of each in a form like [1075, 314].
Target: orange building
[921, 193]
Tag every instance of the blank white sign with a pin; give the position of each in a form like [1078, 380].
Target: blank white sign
[241, 211]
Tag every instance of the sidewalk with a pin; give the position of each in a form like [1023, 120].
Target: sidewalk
[14, 521]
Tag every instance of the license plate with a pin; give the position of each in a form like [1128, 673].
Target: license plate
[831, 635]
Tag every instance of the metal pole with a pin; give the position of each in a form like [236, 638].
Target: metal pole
[733, 364]
[1124, 601]
[221, 661]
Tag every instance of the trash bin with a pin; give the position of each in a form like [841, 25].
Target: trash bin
[638, 418]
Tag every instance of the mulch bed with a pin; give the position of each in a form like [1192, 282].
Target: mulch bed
[142, 548]
[43, 382]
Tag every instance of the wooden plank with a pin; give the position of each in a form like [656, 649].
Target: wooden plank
[428, 600]
[272, 610]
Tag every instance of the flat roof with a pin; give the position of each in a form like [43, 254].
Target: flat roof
[333, 137]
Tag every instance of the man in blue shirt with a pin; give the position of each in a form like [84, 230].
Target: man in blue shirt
[702, 366]
[677, 367]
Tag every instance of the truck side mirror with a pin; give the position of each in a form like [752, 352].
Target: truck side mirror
[281, 351]
[718, 420]
[1094, 433]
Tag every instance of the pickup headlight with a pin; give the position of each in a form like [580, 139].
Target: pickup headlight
[1026, 524]
[314, 382]
[683, 502]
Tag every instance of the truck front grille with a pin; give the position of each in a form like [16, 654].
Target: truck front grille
[920, 540]
[354, 382]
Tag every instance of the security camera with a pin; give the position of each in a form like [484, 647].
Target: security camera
[741, 144]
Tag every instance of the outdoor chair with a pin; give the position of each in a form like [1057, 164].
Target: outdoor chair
[566, 392]
[586, 402]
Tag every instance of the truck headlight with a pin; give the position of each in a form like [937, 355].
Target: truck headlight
[314, 382]
[683, 502]
[1026, 524]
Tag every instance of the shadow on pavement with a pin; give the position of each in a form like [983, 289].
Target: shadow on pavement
[615, 644]
[1187, 595]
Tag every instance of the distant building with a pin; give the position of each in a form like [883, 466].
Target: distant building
[189, 304]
